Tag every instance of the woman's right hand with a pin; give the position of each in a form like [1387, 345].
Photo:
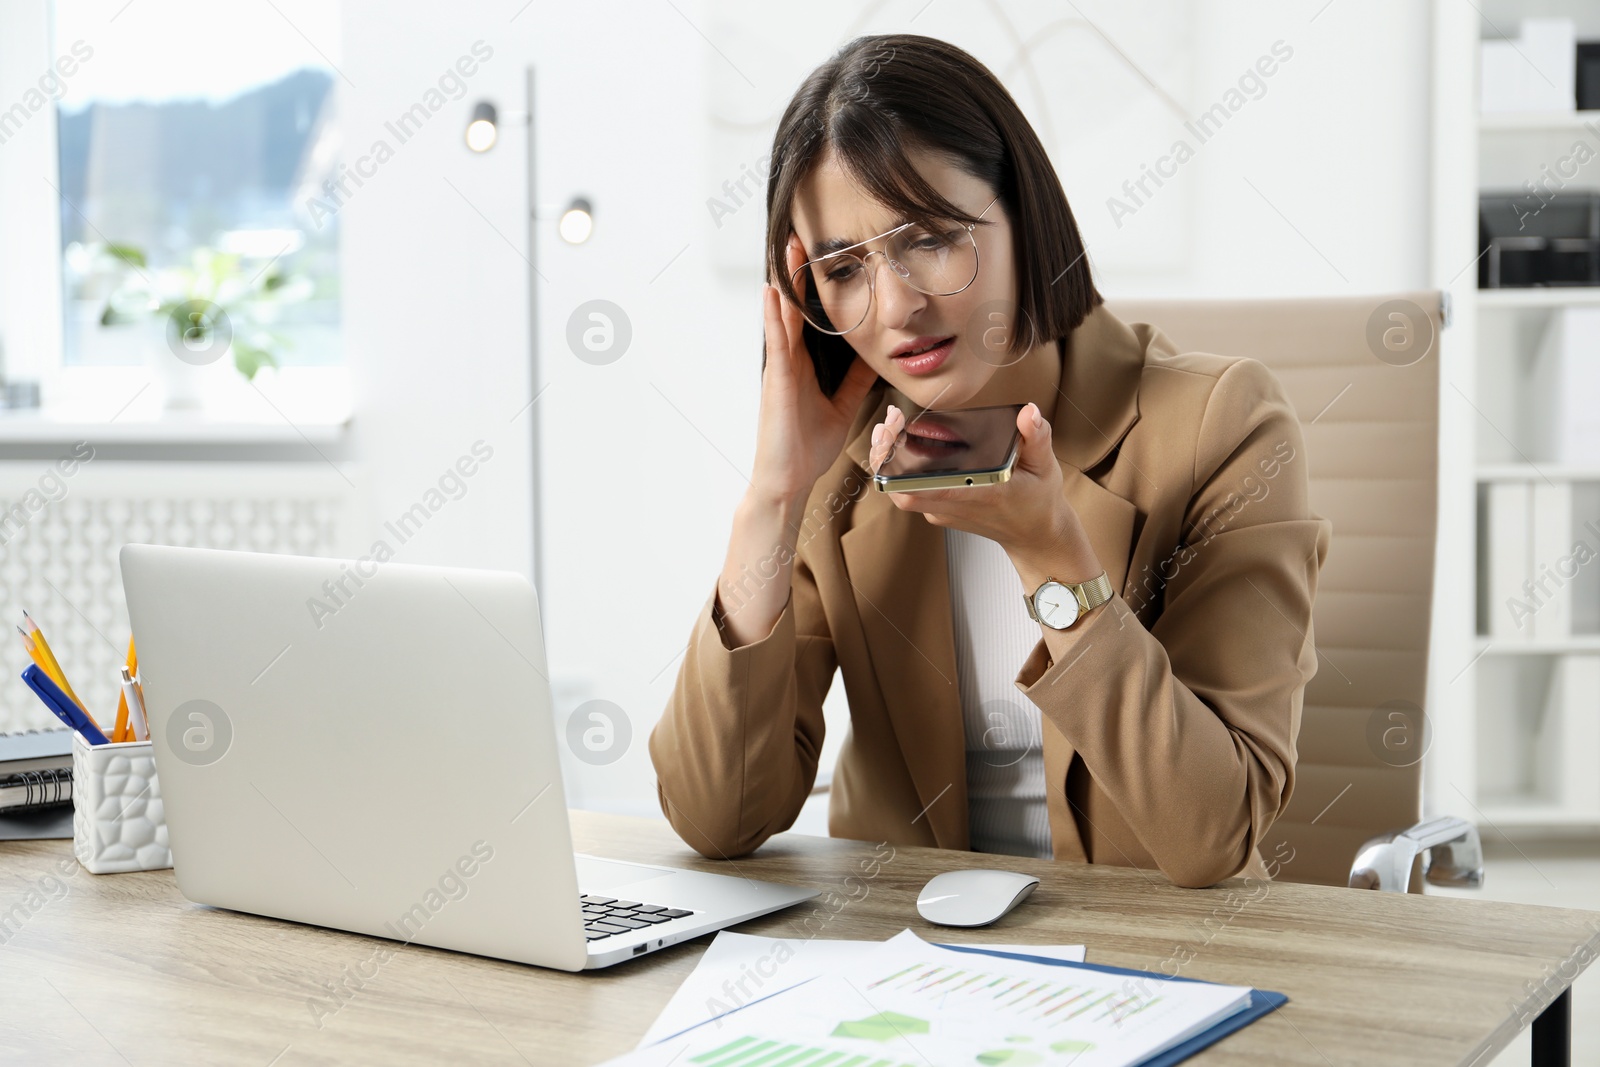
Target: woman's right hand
[801, 431]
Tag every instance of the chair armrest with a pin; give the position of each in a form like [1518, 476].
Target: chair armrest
[1451, 852]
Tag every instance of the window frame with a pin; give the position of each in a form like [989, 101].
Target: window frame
[32, 300]
[30, 231]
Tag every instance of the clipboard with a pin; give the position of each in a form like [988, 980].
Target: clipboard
[1262, 1002]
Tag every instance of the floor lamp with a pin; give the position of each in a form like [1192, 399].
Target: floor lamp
[482, 134]
[576, 223]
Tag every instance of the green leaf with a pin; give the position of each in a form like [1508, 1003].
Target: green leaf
[120, 312]
[249, 358]
[127, 253]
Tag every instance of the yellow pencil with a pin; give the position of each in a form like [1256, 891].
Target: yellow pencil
[33, 654]
[120, 730]
[50, 666]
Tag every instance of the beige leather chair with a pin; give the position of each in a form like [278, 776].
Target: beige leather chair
[1363, 374]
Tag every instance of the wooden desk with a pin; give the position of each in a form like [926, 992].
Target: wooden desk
[121, 969]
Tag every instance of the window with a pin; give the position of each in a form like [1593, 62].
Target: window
[190, 137]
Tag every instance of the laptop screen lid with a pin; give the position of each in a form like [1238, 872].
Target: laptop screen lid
[358, 745]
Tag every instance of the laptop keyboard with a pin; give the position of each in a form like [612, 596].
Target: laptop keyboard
[608, 916]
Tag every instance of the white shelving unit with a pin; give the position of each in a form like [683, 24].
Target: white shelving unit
[1516, 694]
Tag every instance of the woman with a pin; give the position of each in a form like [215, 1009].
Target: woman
[1155, 729]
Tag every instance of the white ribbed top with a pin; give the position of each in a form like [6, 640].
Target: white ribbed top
[1005, 756]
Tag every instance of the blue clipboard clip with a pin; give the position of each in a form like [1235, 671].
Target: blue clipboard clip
[62, 706]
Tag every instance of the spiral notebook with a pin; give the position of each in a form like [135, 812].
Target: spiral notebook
[36, 784]
[35, 789]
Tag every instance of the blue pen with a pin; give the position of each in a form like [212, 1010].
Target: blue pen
[37, 680]
[61, 705]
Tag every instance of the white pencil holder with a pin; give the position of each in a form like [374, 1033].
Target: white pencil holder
[118, 821]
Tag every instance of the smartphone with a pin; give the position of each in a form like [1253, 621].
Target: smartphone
[952, 450]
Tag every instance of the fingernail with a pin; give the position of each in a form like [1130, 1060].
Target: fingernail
[877, 432]
[1038, 419]
[894, 412]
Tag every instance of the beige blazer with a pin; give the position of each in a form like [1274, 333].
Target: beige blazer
[1169, 733]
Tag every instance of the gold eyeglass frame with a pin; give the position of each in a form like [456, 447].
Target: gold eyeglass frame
[872, 288]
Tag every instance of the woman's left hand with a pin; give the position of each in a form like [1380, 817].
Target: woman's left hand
[1028, 515]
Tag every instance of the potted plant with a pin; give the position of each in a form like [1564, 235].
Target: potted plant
[200, 314]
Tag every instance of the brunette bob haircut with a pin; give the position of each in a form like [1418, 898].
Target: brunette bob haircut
[879, 96]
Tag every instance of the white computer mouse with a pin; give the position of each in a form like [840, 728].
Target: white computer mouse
[973, 898]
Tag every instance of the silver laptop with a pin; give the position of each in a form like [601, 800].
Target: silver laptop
[369, 746]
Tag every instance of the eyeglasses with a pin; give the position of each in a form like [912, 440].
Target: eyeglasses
[835, 290]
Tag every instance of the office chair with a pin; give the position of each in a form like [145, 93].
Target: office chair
[1363, 374]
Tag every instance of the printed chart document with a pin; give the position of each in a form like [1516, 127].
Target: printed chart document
[908, 1003]
[738, 969]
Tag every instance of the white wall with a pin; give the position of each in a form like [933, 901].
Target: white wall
[643, 459]
[436, 325]
[437, 321]
[30, 297]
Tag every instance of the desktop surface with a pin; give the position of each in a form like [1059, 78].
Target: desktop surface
[121, 968]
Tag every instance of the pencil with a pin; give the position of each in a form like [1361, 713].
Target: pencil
[33, 651]
[38, 657]
[50, 666]
[119, 732]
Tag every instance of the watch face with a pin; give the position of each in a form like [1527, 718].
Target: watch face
[1057, 607]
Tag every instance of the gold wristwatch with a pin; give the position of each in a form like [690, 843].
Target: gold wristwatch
[1059, 605]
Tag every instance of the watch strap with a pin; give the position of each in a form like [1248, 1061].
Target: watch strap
[1094, 592]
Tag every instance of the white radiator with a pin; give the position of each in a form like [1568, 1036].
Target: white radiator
[62, 523]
